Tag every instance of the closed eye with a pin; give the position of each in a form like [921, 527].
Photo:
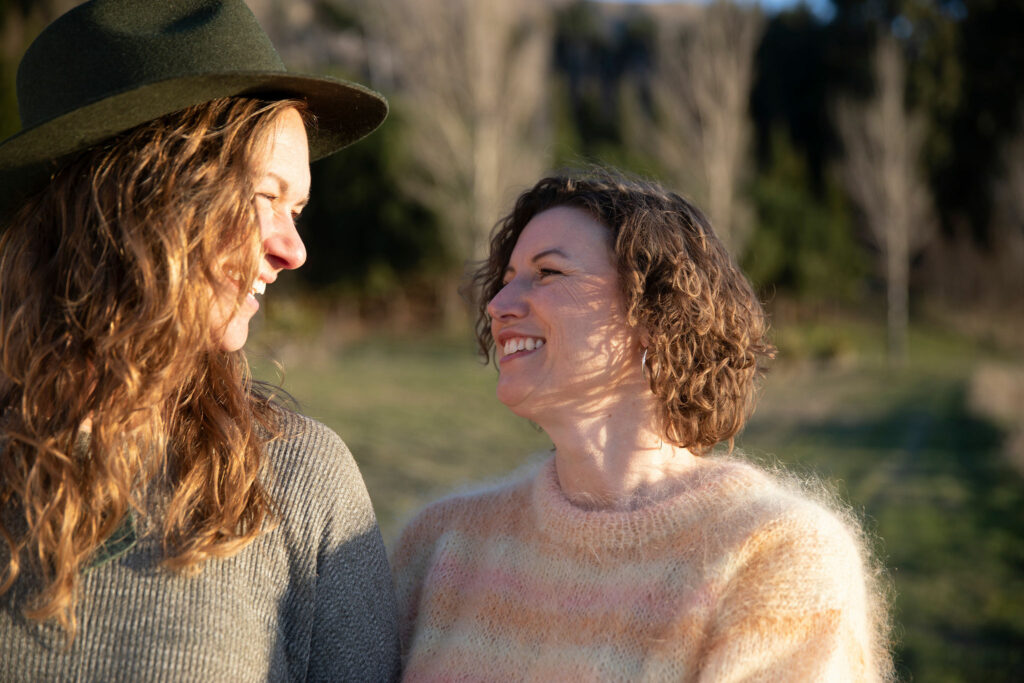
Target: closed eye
[547, 272]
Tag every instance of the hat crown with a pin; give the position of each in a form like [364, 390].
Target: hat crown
[105, 47]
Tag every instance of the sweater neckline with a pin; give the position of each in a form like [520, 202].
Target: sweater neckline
[709, 484]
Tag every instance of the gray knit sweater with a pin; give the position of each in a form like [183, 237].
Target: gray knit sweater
[309, 600]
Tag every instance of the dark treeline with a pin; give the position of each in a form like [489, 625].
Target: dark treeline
[964, 60]
[394, 219]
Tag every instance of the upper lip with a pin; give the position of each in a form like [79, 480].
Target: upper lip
[505, 335]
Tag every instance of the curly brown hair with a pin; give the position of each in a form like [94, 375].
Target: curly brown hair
[705, 330]
[107, 278]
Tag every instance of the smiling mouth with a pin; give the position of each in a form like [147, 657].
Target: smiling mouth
[517, 345]
[258, 287]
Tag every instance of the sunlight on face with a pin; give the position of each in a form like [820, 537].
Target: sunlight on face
[559, 322]
[281, 193]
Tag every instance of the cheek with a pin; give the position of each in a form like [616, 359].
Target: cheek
[587, 310]
[222, 308]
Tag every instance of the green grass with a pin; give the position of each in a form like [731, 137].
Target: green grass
[899, 444]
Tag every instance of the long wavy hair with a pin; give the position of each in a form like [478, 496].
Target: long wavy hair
[107, 279]
[706, 329]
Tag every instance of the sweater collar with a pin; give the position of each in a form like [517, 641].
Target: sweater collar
[711, 484]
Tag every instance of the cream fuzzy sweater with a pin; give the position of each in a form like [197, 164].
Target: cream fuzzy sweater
[734, 578]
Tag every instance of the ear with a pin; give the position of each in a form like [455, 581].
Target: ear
[643, 336]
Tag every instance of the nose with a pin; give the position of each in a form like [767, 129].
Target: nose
[282, 245]
[509, 302]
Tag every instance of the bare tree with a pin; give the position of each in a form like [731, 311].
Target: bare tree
[470, 80]
[881, 171]
[701, 132]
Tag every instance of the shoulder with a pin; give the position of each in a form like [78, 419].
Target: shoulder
[797, 596]
[755, 499]
[307, 451]
[478, 512]
[311, 473]
[751, 495]
[299, 434]
[778, 533]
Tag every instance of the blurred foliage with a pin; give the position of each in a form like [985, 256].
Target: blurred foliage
[804, 246]
[371, 243]
[991, 54]
[598, 65]
[365, 239]
[964, 60]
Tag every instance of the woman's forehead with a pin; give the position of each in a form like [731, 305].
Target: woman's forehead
[564, 233]
[563, 228]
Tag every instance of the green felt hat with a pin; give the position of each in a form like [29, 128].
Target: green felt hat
[107, 66]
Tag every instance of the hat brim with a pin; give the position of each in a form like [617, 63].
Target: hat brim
[344, 112]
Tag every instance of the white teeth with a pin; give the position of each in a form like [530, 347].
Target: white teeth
[258, 287]
[521, 344]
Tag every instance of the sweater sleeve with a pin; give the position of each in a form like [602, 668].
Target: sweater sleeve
[794, 606]
[354, 635]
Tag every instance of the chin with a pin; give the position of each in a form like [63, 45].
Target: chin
[234, 339]
[515, 399]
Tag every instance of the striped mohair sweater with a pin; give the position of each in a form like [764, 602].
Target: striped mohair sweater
[735, 578]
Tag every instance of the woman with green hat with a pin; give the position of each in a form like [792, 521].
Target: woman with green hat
[161, 515]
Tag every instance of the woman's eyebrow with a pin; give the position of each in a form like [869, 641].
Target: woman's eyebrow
[282, 186]
[554, 251]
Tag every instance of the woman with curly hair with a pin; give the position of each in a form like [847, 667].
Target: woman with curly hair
[621, 326]
[162, 515]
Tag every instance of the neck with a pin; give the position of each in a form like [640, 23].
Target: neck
[615, 457]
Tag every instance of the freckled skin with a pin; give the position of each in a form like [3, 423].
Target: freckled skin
[562, 286]
[281, 193]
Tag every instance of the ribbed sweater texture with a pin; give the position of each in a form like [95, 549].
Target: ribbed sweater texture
[309, 600]
[736, 577]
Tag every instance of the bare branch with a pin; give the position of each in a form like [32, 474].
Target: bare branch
[881, 171]
[702, 90]
[471, 78]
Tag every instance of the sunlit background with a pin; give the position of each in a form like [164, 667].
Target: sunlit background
[863, 160]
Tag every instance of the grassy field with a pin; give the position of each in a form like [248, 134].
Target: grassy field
[902, 446]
